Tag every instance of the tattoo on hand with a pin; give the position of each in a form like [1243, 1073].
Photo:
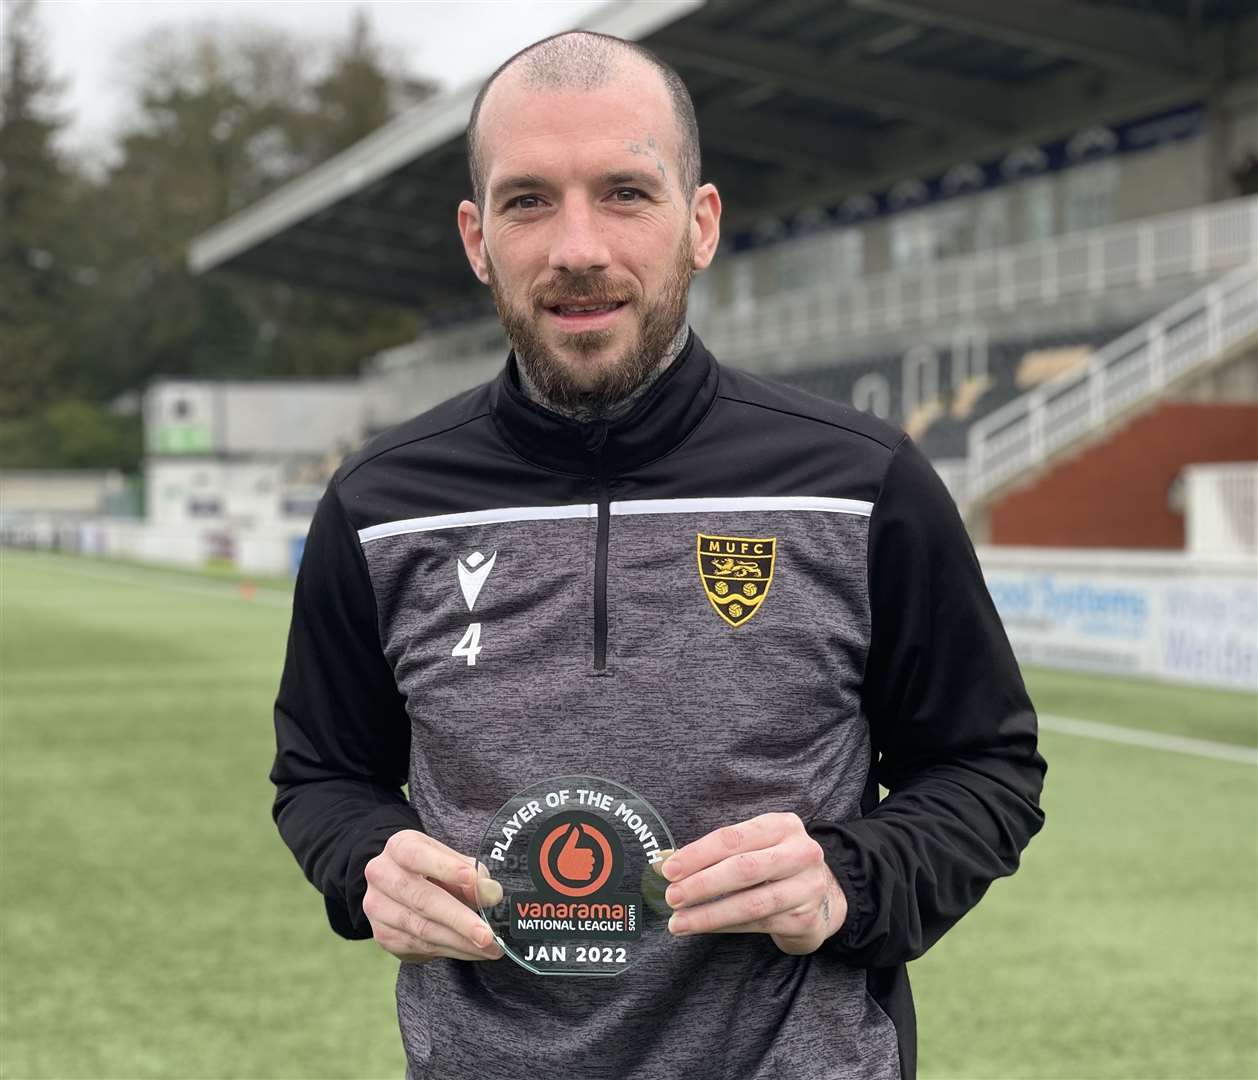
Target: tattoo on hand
[825, 909]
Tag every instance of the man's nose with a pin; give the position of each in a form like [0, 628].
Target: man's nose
[578, 244]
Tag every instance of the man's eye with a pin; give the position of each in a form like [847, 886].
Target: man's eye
[520, 200]
[633, 193]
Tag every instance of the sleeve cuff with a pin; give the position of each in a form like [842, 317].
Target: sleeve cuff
[345, 913]
[849, 871]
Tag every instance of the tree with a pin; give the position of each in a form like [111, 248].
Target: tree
[353, 98]
[95, 296]
[37, 188]
[213, 127]
[71, 434]
[225, 114]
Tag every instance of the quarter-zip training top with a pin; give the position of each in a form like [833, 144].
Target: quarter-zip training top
[859, 648]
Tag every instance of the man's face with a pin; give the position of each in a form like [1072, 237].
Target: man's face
[583, 209]
[575, 367]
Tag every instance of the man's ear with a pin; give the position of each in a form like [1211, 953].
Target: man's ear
[705, 225]
[473, 239]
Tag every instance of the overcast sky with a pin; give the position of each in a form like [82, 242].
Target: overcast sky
[447, 41]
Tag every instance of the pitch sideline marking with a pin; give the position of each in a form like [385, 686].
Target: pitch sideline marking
[1150, 740]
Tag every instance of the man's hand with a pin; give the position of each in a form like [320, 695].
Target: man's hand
[771, 876]
[420, 901]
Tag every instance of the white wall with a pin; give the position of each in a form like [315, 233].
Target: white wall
[272, 551]
[186, 493]
[290, 417]
[1221, 510]
[81, 491]
[191, 491]
[236, 417]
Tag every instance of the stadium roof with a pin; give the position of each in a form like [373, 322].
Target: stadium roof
[801, 103]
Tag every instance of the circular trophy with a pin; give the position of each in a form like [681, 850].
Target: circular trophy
[576, 858]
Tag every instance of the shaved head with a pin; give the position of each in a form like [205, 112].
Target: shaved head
[585, 60]
[589, 219]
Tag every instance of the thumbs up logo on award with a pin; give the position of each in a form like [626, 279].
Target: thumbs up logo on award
[574, 863]
[581, 864]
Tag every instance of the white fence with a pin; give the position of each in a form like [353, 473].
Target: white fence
[273, 551]
[1191, 335]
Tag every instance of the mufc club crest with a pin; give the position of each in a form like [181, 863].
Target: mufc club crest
[736, 572]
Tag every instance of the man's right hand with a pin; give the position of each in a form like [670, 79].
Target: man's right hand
[421, 898]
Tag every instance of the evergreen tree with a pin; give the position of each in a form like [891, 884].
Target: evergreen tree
[354, 97]
[36, 237]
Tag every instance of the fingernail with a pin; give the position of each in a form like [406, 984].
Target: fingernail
[488, 891]
[672, 894]
[658, 865]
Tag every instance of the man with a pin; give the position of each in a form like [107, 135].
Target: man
[759, 725]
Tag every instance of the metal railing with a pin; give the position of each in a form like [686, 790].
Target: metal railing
[1203, 242]
[1188, 336]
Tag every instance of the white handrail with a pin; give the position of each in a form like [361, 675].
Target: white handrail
[1189, 335]
[1203, 241]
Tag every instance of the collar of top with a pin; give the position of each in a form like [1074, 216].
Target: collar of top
[658, 421]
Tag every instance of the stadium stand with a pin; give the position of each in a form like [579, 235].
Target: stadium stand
[1014, 229]
[937, 395]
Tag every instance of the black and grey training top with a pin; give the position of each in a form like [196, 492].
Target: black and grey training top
[874, 658]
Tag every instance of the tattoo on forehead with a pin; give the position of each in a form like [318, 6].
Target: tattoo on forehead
[651, 149]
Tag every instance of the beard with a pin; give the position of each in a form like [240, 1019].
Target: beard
[563, 384]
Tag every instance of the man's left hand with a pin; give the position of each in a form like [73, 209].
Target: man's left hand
[771, 878]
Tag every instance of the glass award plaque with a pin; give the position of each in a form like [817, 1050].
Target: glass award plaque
[576, 856]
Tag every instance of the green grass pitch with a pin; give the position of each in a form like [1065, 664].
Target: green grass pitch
[155, 926]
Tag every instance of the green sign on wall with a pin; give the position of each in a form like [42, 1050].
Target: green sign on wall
[184, 439]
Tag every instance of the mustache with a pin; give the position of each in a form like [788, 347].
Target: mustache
[588, 290]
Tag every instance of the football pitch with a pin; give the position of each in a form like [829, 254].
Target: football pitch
[154, 925]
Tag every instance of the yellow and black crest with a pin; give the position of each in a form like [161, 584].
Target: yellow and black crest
[736, 573]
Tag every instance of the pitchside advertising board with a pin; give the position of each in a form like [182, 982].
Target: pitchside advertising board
[1161, 617]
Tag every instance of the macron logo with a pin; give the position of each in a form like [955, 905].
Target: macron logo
[473, 573]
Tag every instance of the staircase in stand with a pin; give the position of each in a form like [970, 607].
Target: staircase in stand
[1122, 379]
